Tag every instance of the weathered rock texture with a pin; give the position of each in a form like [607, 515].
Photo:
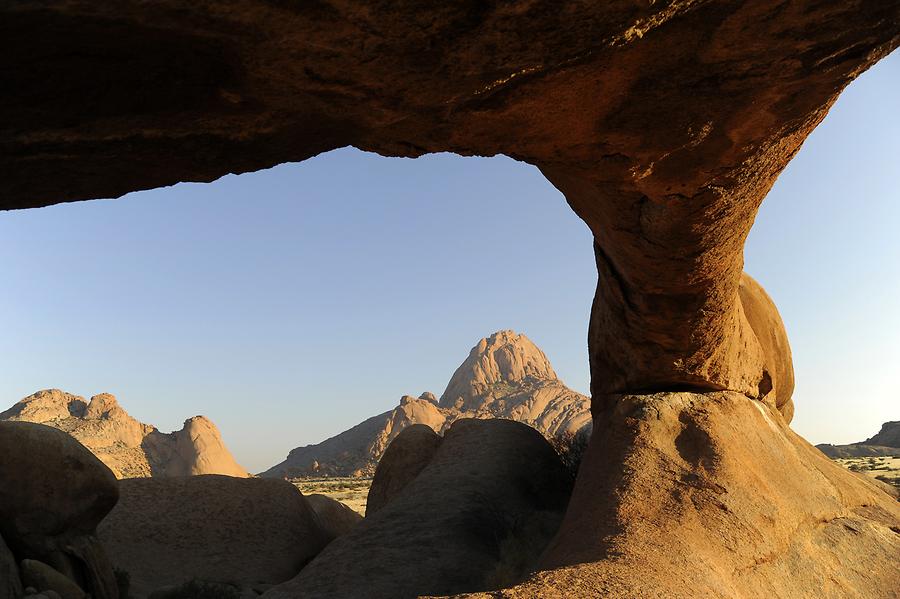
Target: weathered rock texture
[404, 459]
[130, 448]
[477, 515]
[335, 518]
[167, 531]
[685, 495]
[505, 376]
[885, 443]
[53, 494]
[663, 123]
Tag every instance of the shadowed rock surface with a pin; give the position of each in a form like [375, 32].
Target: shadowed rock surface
[407, 455]
[10, 584]
[167, 531]
[504, 376]
[477, 515]
[885, 443]
[128, 447]
[335, 518]
[54, 494]
[39, 575]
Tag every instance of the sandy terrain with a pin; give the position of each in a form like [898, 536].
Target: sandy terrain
[348, 490]
[886, 469]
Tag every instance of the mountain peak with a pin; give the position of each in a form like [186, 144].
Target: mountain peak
[503, 360]
[46, 405]
[103, 405]
[127, 446]
[504, 376]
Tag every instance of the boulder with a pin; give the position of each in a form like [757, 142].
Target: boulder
[335, 518]
[401, 463]
[10, 583]
[477, 516]
[685, 495]
[238, 531]
[196, 449]
[41, 576]
[777, 384]
[55, 492]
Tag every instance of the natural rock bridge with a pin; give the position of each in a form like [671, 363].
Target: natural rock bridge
[663, 123]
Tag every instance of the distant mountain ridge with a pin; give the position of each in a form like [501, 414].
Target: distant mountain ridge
[504, 376]
[130, 448]
[885, 443]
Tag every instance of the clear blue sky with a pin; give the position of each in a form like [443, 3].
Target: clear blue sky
[290, 304]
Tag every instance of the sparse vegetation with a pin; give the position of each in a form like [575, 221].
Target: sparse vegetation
[571, 448]
[199, 589]
[883, 468]
[350, 491]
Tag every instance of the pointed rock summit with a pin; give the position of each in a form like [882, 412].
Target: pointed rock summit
[129, 447]
[505, 376]
[496, 365]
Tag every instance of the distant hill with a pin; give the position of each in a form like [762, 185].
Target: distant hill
[130, 448]
[505, 376]
[885, 443]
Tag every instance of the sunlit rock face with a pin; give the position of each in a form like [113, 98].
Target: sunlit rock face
[504, 376]
[127, 446]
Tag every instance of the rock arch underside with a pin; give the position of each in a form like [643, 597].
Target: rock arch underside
[663, 123]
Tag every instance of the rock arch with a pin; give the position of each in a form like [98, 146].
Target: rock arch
[663, 123]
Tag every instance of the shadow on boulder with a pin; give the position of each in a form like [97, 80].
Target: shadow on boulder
[476, 517]
[218, 529]
[54, 494]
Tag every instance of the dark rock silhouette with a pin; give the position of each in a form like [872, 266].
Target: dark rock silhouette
[477, 516]
[168, 531]
[54, 494]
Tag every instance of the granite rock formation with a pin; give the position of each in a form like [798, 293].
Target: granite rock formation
[718, 497]
[54, 494]
[335, 518]
[404, 459]
[889, 435]
[476, 516]
[504, 376]
[885, 443]
[168, 531]
[128, 447]
[664, 125]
